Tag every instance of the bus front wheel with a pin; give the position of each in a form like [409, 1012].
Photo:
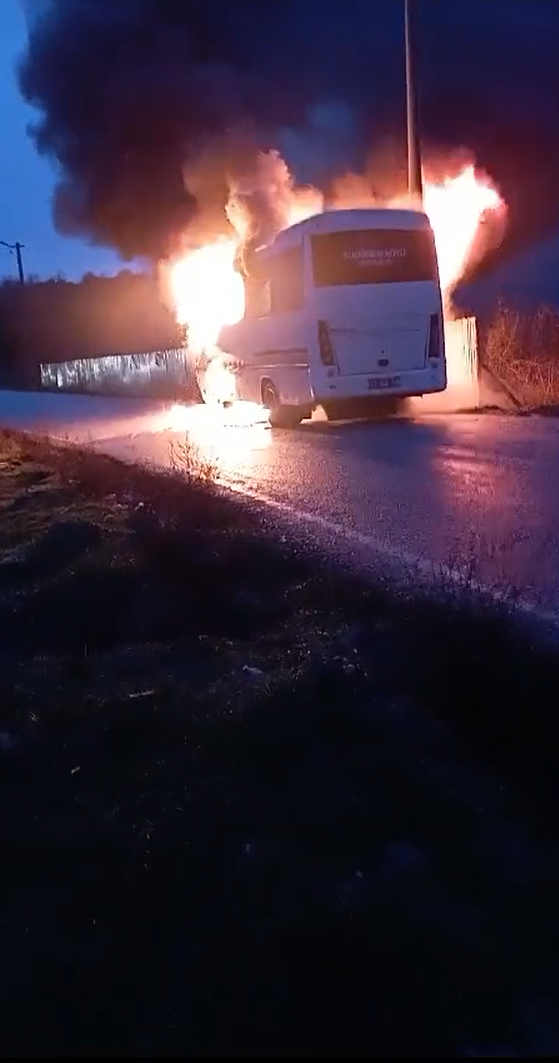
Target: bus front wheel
[280, 416]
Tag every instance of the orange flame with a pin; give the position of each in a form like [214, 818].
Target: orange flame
[207, 292]
[456, 207]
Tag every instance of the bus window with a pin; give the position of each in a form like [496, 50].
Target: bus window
[286, 281]
[257, 294]
[374, 256]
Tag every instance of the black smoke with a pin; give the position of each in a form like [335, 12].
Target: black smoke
[131, 94]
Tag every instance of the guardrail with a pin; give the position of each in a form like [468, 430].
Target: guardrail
[170, 373]
[165, 374]
[462, 355]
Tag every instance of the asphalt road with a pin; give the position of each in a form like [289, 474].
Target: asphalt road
[477, 494]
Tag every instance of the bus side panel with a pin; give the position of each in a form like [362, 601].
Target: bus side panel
[272, 348]
[292, 383]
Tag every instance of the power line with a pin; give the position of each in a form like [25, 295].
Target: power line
[17, 247]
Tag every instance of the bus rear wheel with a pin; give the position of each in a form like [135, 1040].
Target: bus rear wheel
[280, 416]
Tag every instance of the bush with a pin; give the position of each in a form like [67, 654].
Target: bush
[523, 352]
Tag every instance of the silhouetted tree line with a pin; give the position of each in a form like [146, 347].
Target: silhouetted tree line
[59, 320]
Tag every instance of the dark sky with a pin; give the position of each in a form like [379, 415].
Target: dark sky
[128, 90]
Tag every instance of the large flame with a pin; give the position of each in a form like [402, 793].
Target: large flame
[456, 207]
[207, 292]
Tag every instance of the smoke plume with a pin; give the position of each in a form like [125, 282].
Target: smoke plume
[153, 109]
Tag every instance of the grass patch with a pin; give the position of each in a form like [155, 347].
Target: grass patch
[249, 807]
[522, 352]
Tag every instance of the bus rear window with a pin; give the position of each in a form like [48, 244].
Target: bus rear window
[374, 256]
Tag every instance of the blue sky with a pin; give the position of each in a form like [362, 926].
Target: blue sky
[26, 181]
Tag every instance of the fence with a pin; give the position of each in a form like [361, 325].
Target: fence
[462, 370]
[462, 359]
[169, 374]
[164, 374]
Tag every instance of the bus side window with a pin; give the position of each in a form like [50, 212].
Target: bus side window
[286, 281]
[257, 293]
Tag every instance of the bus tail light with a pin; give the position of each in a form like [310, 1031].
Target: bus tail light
[435, 345]
[325, 344]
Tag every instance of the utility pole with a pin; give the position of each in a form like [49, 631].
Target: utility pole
[17, 247]
[415, 180]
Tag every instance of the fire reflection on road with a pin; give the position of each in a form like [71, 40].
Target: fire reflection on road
[230, 438]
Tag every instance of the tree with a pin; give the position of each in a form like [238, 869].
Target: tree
[8, 351]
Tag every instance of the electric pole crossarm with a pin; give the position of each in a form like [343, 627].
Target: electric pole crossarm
[17, 247]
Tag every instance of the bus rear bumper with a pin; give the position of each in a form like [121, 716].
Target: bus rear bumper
[425, 381]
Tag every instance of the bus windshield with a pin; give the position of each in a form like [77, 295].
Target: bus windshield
[373, 256]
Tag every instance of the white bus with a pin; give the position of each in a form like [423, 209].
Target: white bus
[344, 311]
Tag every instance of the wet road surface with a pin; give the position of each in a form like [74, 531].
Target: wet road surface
[478, 493]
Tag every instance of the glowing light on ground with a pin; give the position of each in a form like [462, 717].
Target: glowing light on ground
[202, 418]
[230, 439]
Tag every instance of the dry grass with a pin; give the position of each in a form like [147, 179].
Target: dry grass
[523, 352]
[188, 461]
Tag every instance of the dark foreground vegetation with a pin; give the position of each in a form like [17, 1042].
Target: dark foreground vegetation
[249, 808]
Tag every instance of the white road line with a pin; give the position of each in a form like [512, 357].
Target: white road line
[460, 578]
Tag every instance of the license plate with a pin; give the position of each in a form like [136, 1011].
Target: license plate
[382, 383]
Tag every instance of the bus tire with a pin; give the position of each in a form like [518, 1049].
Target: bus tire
[280, 416]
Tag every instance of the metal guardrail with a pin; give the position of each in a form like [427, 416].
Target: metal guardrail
[164, 374]
[170, 373]
[462, 355]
